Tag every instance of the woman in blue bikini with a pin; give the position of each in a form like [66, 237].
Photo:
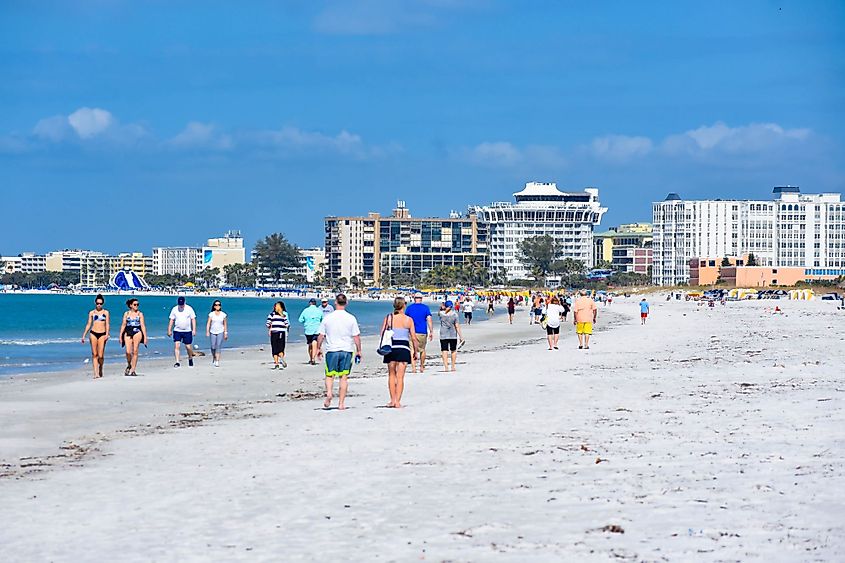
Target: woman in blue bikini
[133, 333]
[97, 330]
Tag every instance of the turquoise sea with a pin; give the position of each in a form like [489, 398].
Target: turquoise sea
[42, 332]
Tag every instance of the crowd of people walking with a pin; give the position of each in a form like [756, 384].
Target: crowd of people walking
[333, 336]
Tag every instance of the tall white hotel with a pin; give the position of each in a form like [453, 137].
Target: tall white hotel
[792, 229]
[540, 209]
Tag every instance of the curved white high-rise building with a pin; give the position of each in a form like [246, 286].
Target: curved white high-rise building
[541, 209]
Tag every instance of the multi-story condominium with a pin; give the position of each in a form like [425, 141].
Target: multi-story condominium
[188, 260]
[224, 251]
[315, 260]
[541, 209]
[627, 248]
[10, 264]
[377, 249]
[32, 263]
[68, 260]
[183, 260]
[98, 270]
[791, 230]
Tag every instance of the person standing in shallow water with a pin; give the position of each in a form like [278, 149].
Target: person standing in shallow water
[98, 325]
[403, 349]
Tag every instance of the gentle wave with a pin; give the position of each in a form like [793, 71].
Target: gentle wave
[37, 342]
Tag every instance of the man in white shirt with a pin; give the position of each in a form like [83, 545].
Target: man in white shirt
[342, 336]
[466, 308]
[183, 327]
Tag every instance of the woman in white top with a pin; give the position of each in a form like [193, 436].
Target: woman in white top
[554, 312]
[217, 330]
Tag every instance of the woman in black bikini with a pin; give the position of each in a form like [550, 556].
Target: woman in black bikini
[133, 333]
[97, 330]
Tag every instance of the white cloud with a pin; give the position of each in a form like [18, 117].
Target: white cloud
[293, 140]
[201, 135]
[755, 137]
[53, 129]
[90, 122]
[620, 147]
[497, 153]
[505, 154]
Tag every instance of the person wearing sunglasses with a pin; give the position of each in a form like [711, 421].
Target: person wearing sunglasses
[133, 333]
[217, 330]
[97, 330]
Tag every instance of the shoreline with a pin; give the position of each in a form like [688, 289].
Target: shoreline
[232, 388]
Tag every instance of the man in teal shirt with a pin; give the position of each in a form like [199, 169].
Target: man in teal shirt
[311, 317]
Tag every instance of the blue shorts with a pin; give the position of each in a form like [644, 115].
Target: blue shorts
[338, 364]
[185, 337]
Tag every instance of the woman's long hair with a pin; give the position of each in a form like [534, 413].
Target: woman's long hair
[398, 305]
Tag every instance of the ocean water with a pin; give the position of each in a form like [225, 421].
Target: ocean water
[42, 332]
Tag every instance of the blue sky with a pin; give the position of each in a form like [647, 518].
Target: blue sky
[125, 125]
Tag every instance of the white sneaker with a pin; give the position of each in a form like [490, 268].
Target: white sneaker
[216, 363]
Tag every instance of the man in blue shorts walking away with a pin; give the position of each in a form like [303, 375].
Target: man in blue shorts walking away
[342, 336]
[183, 327]
[423, 327]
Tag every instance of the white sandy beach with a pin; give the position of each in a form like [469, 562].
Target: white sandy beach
[709, 434]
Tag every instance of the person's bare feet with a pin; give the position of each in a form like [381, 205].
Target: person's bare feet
[328, 402]
[389, 405]
[341, 407]
[397, 405]
[453, 369]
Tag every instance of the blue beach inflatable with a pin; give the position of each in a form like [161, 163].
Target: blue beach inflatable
[128, 280]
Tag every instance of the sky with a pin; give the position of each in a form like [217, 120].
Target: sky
[126, 125]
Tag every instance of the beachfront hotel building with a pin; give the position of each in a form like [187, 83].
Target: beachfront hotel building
[386, 250]
[182, 260]
[540, 209]
[791, 230]
[96, 270]
[627, 248]
[188, 260]
[25, 263]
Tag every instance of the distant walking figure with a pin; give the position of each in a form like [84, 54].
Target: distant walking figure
[217, 330]
[98, 325]
[183, 326]
[554, 314]
[450, 333]
[133, 333]
[277, 328]
[342, 336]
[403, 348]
[643, 310]
[585, 312]
[310, 318]
[511, 310]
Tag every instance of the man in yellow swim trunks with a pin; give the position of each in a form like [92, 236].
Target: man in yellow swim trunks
[585, 312]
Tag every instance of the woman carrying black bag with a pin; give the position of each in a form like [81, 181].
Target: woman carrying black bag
[402, 348]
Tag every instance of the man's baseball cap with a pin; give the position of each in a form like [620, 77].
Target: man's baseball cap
[325, 300]
[449, 304]
[312, 301]
[180, 300]
[418, 295]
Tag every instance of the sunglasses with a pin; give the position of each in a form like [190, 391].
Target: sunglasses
[98, 303]
[216, 305]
